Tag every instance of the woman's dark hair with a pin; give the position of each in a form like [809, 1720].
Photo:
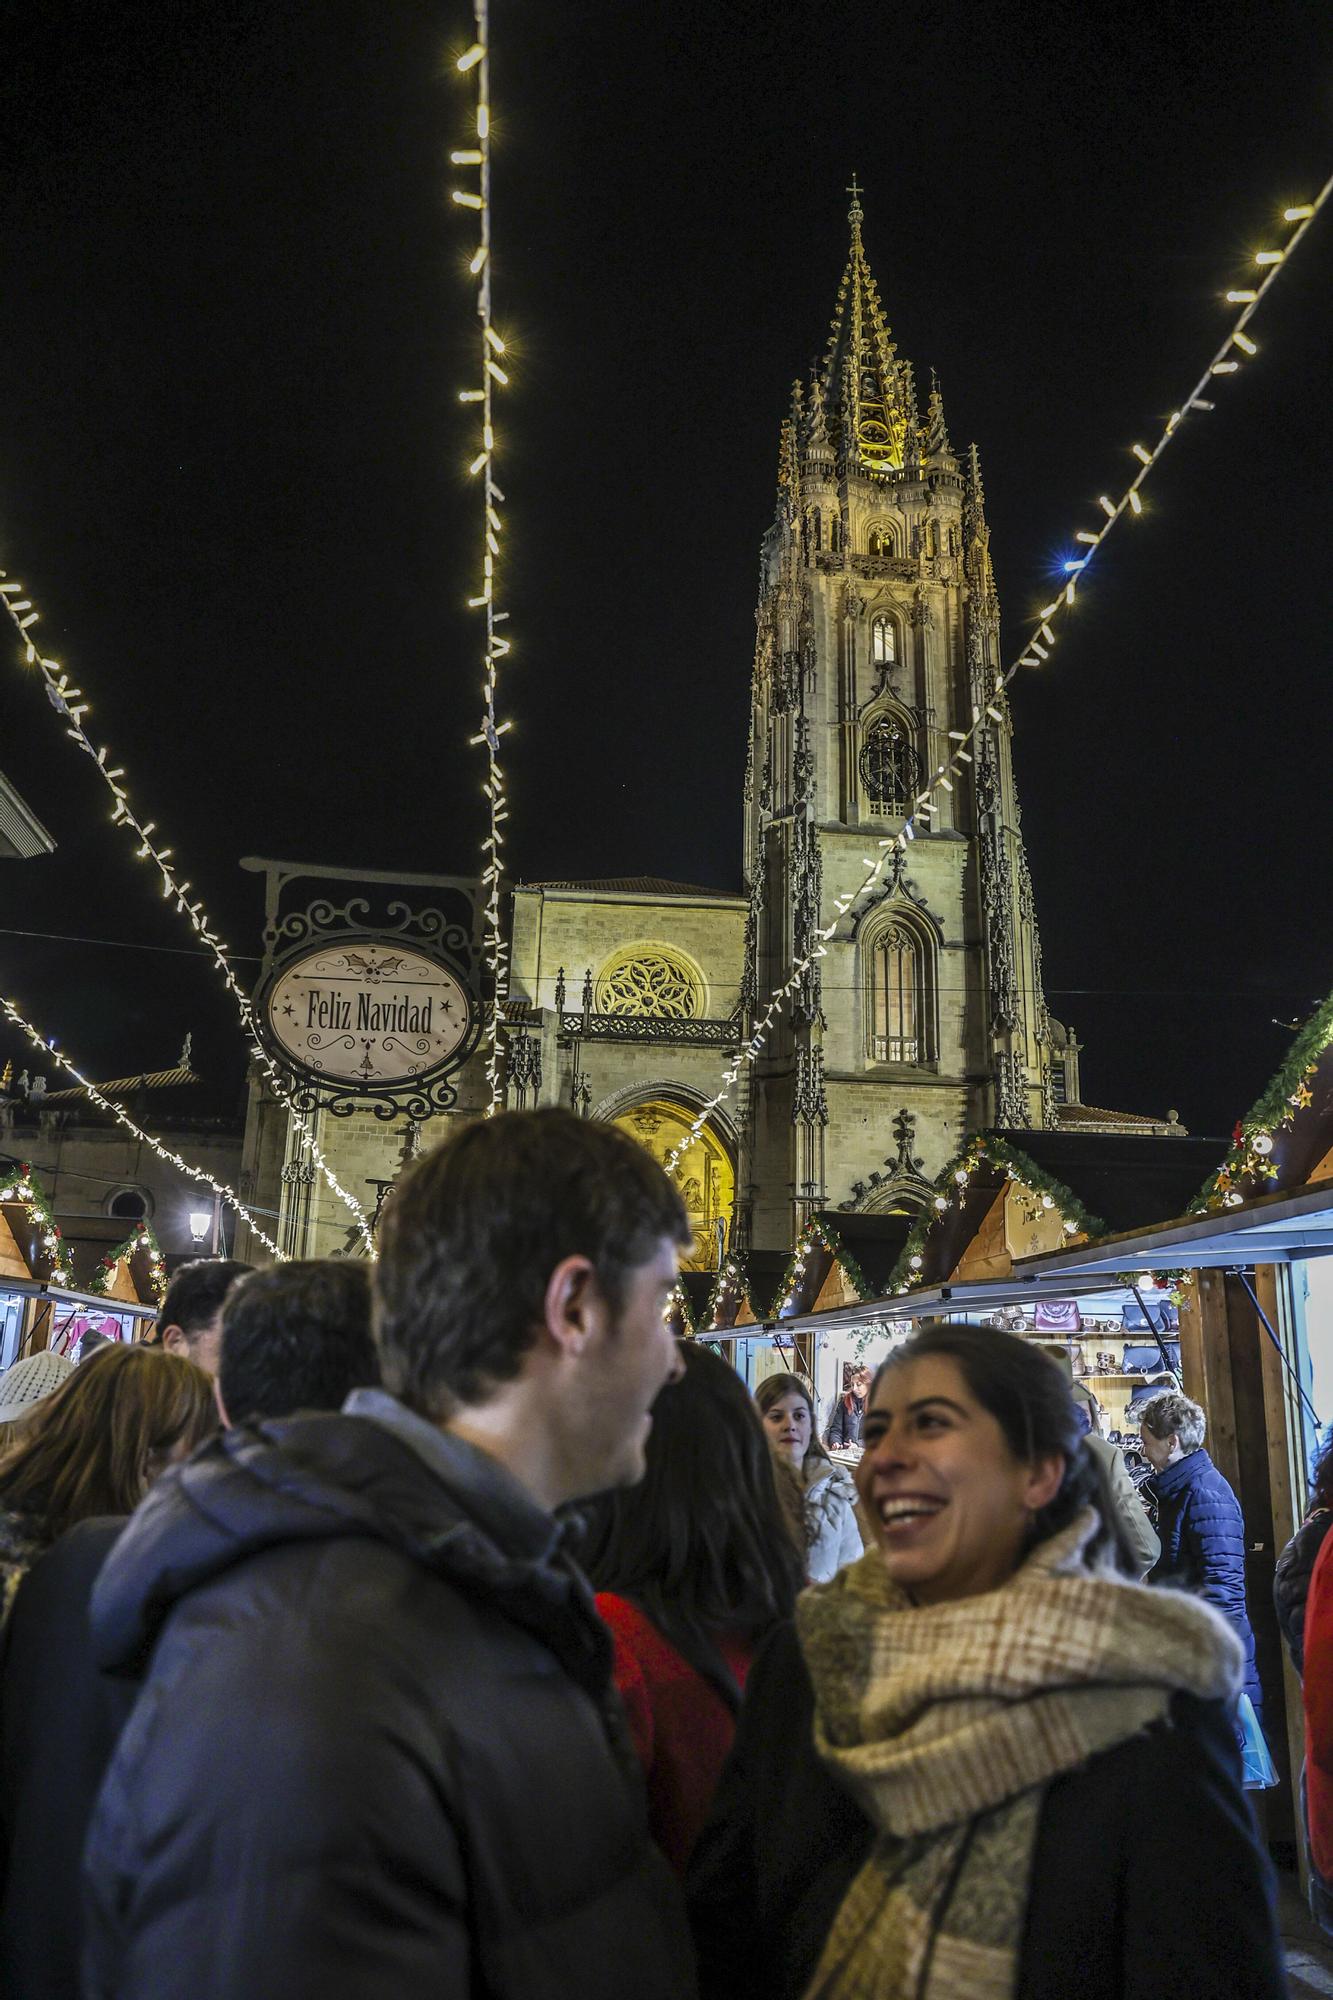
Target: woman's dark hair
[772, 1389]
[96, 1444]
[702, 1544]
[1029, 1397]
[1321, 1476]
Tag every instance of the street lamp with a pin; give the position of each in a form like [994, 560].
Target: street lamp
[206, 1227]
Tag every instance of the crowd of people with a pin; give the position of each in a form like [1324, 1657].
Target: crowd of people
[445, 1627]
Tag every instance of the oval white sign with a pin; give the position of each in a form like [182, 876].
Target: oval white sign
[367, 1013]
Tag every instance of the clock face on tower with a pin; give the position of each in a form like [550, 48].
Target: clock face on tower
[366, 1014]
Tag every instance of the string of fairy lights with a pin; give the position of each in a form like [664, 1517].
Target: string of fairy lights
[1236, 348]
[122, 1117]
[491, 374]
[71, 705]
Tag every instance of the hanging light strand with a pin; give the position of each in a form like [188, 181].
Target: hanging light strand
[220, 1188]
[71, 705]
[491, 374]
[1035, 652]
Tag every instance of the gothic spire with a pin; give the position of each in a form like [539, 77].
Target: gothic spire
[860, 373]
[817, 426]
[788, 472]
[976, 534]
[937, 435]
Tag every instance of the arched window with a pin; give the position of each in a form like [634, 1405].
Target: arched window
[890, 767]
[900, 1013]
[883, 642]
[835, 534]
[816, 531]
[880, 542]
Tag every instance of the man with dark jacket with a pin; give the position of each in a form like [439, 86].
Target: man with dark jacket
[293, 1337]
[1199, 1522]
[377, 1751]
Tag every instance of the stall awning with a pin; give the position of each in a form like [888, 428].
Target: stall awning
[61, 1295]
[1275, 1229]
[967, 1296]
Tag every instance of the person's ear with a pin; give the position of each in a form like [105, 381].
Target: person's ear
[571, 1304]
[175, 1340]
[1045, 1478]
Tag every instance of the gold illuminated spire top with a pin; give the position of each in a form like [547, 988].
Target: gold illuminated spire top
[860, 377]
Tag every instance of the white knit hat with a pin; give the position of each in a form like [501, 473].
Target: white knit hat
[29, 1381]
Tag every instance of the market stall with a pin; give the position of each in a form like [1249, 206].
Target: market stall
[34, 1263]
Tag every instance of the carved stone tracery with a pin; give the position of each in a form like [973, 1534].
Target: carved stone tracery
[809, 1104]
[655, 983]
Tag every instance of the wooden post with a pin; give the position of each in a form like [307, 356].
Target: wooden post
[1205, 1366]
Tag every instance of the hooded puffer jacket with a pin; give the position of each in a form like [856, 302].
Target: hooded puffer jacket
[832, 1535]
[1202, 1533]
[1291, 1580]
[376, 1752]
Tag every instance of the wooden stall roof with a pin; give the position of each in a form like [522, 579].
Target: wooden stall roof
[1285, 1139]
[1129, 1179]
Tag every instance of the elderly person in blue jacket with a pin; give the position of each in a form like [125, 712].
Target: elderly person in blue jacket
[1199, 1520]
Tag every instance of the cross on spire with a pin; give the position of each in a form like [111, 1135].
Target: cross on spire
[855, 190]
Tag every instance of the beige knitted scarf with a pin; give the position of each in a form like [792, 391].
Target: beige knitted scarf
[947, 1722]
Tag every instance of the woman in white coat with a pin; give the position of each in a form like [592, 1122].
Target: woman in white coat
[832, 1536]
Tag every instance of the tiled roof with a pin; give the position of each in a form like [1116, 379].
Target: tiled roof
[1088, 1114]
[124, 1086]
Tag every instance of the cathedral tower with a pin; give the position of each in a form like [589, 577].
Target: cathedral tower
[878, 636]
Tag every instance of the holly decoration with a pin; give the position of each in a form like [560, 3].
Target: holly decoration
[988, 1150]
[141, 1237]
[1249, 1163]
[20, 1186]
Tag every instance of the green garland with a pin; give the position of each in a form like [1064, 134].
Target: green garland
[829, 1239]
[680, 1302]
[140, 1234]
[986, 1149]
[19, 1185]
[1287, 1092]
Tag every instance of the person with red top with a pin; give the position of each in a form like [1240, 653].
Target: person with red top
[1317, 1689]
[693, 1568]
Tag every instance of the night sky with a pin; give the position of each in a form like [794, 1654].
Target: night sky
[232, 462]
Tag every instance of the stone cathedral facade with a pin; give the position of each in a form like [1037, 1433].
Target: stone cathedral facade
[923, 1018]
[878, 647]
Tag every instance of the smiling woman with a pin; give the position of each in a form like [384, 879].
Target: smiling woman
[866, 1840]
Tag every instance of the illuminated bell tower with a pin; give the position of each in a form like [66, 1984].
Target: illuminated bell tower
[878, 637]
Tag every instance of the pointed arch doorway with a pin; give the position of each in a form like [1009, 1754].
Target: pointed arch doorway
[706, 1176]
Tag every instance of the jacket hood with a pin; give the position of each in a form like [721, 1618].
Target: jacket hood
[321, 1478]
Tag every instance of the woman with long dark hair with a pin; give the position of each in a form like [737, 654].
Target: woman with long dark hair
[1295, 1565]
[984, 1756]
[693, 1567]
[95, 1446]
[832, 1535]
